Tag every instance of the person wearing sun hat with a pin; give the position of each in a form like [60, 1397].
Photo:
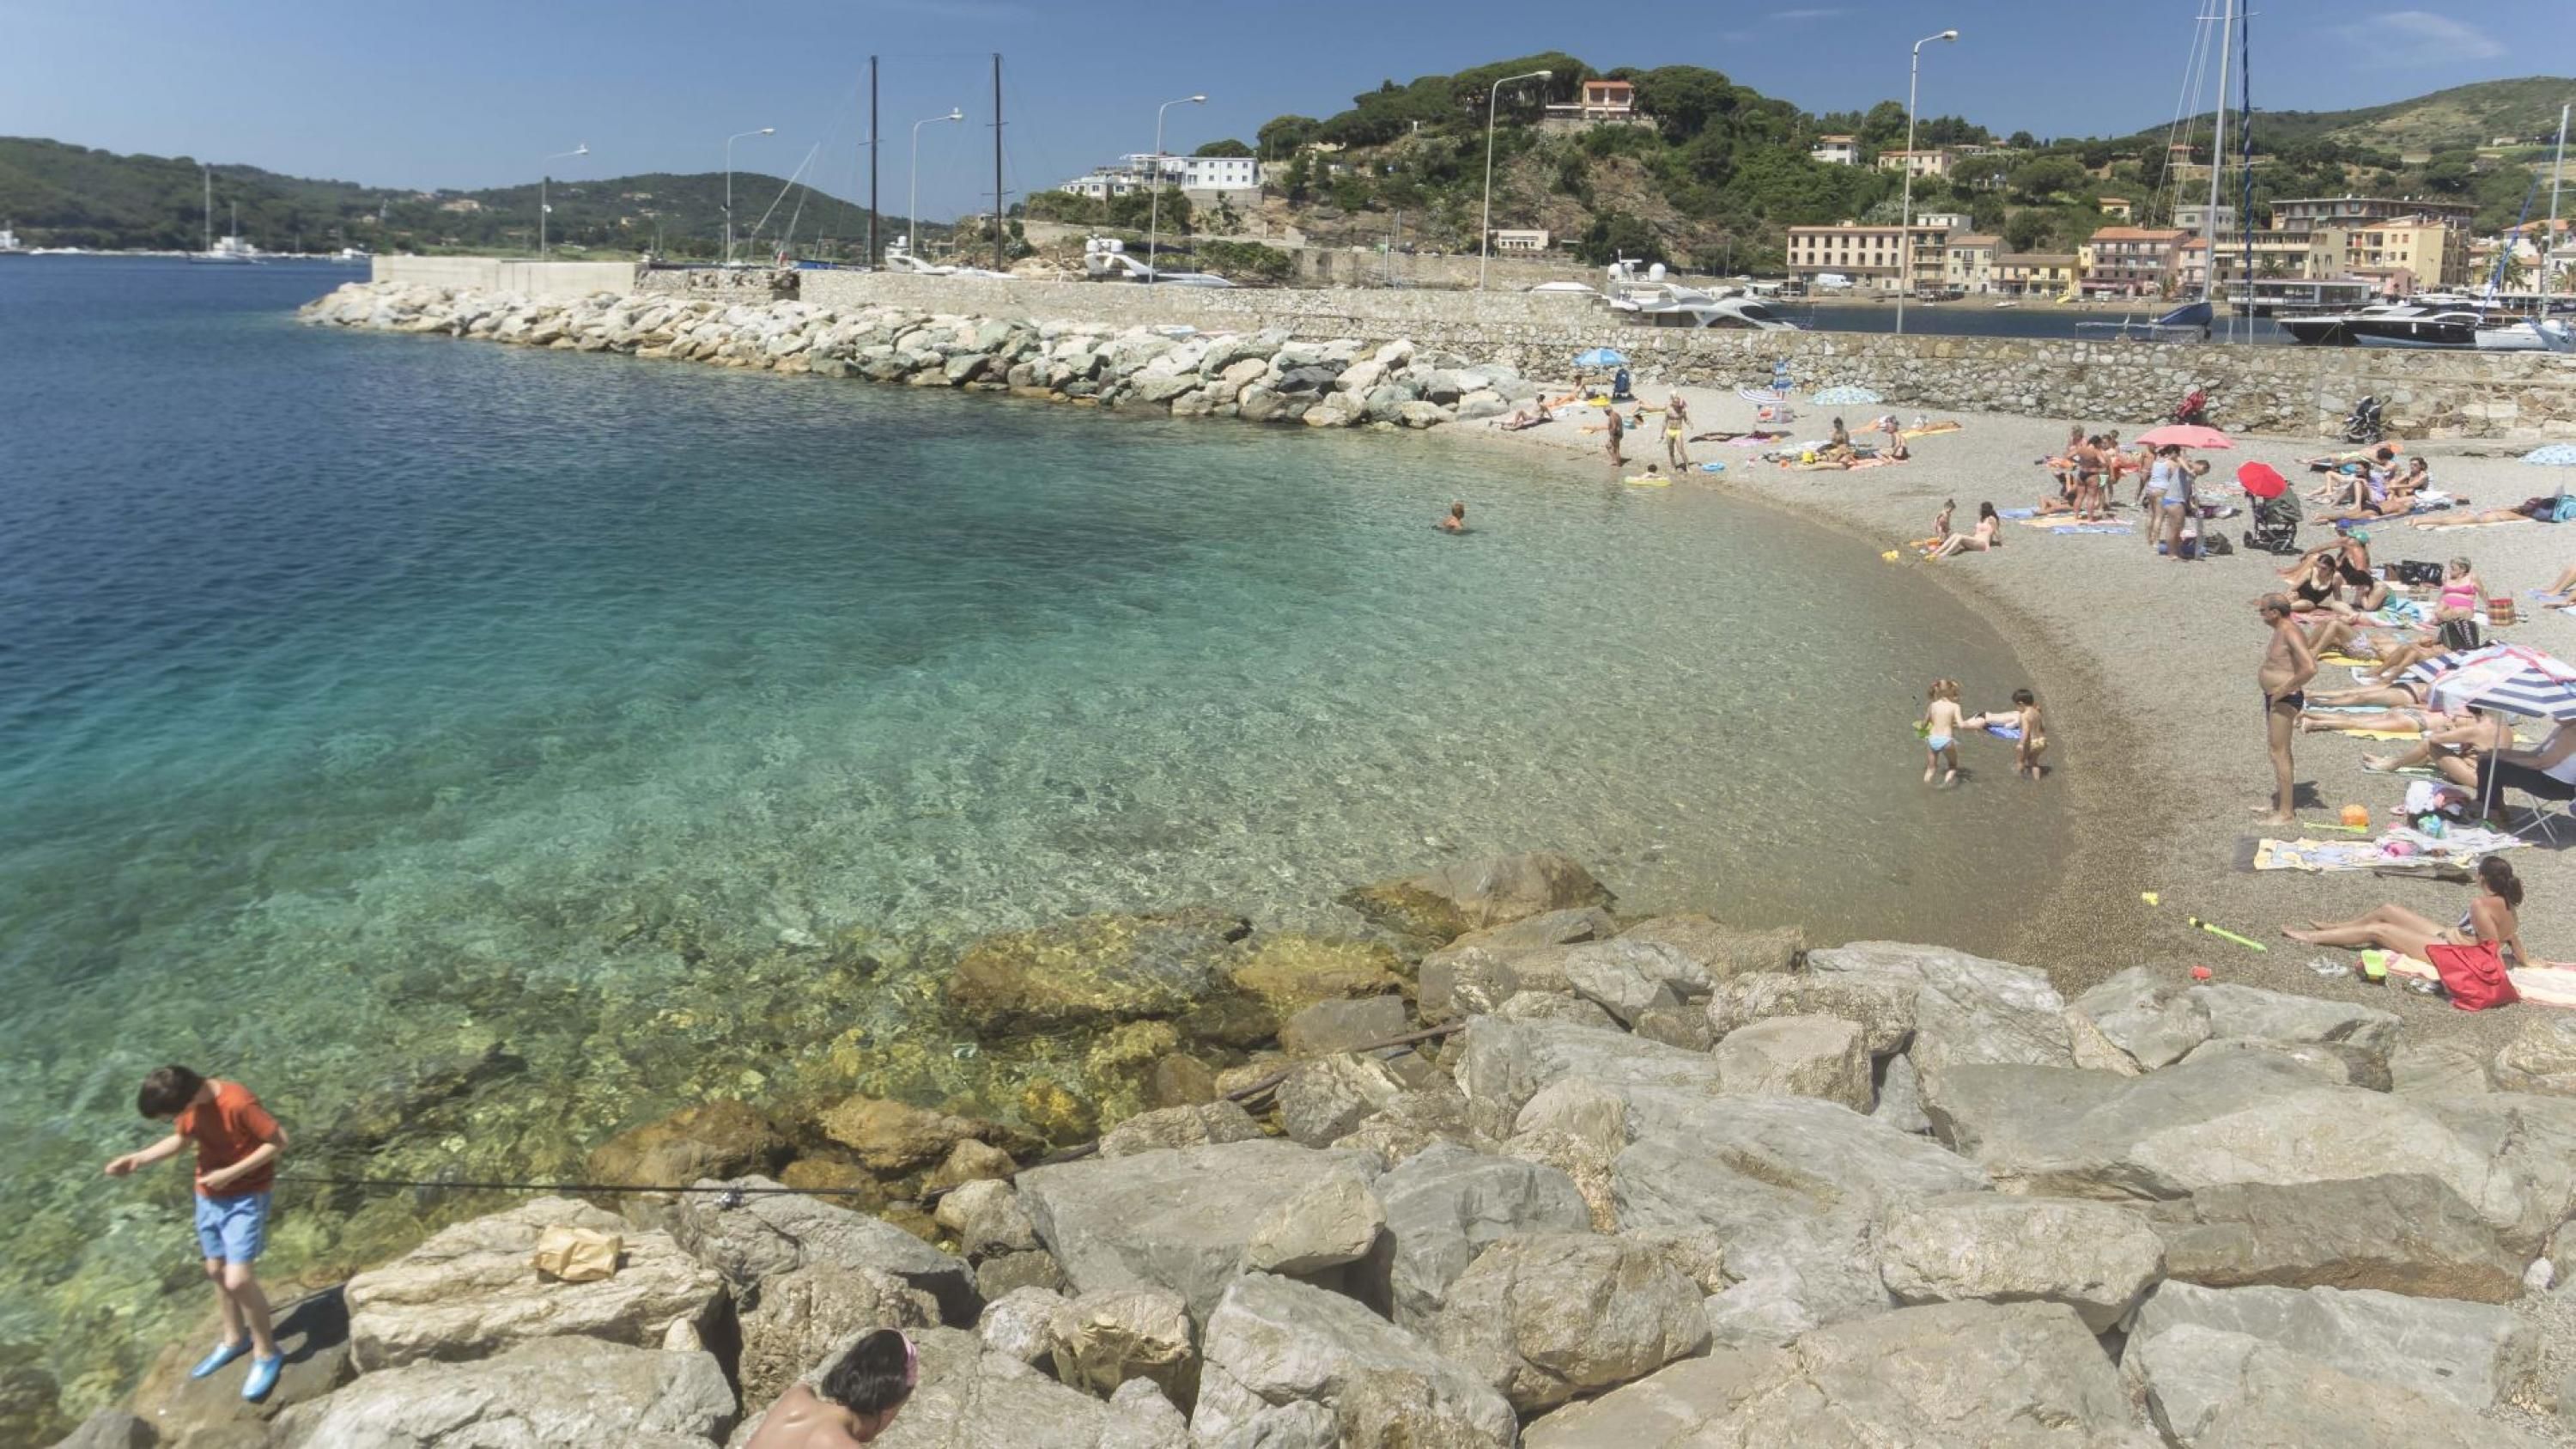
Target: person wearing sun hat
[855, 1401]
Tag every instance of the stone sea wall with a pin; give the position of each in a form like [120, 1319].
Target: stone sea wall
[1522, 1172]
[2297, 390]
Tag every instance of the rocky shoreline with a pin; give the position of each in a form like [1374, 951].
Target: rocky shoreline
[1654, 1182]
[1260, 377]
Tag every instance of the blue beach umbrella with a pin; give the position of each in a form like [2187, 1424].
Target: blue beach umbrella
[2555, 455]
[1601, 357]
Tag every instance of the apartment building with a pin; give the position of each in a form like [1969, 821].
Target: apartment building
[1968, 263]
[2035, 274]
[1919, 163]
[2130, 261]
[1872, 255]
[1836, 150]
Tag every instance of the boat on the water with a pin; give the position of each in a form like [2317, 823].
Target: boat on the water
[2542, 331]
[2189, 322]
[2431, 320]
[1651, 297]
[1105, 259]
[231, 247]
[9, 241]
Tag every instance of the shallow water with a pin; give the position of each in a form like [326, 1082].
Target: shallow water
[369, 701]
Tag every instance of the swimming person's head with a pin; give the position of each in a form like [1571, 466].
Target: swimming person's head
[873, 1379]
[2496, 874]
[1458, 511]
[2024, 698]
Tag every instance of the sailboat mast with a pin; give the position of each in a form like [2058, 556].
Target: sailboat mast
[2549, 243]
[2217, 152]
[210, 208]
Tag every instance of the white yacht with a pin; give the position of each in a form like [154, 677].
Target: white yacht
[2426, 320]
[353, 256]
[1106, 259]
[231, 248]
[1657, 302]
[9, 241]
[2531, 334]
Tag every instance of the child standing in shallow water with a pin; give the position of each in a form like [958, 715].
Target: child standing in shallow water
[2022, 725]
[1942, 724]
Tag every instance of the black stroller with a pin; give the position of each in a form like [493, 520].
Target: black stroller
[2365, 424]
[2276, 524]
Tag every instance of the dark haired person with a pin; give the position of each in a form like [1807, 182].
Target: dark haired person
[237, 1147]
[2469, 956]
[1456, 522]
[856, 1401]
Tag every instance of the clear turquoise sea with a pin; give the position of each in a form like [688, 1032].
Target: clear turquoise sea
[371, 705]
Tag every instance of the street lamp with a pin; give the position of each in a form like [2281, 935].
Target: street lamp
[912, 200]
[1485, 231]
[1154, 209]
[1905, 228]
[729, 140]
[580, 148]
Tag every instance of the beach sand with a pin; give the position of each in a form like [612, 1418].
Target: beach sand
[2146, 670]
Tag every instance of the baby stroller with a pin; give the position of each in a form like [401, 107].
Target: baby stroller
[2364, 426]
[2193, 410]
[2276, 524]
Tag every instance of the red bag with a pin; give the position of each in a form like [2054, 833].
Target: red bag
[2474, 975]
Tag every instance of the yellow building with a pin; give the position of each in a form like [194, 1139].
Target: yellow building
[1968, 263]
[2430, 254]
[1868, 254]
[2035, 274]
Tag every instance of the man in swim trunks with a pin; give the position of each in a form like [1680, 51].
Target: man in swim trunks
[2288, 665]
[1676, 424]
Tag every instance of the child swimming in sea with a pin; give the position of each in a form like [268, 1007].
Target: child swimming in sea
[2020, 724]
[1943, 723]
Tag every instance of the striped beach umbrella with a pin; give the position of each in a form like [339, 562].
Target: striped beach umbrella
[1845, 396]
[2507, 677]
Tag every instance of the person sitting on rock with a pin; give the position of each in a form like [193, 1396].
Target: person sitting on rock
[855, 1402]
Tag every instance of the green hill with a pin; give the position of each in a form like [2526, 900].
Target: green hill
[2462, 118]
[63, 195]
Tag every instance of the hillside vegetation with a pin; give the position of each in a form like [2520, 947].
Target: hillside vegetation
[62, 195]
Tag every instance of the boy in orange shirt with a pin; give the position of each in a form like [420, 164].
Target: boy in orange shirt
[237, 1147]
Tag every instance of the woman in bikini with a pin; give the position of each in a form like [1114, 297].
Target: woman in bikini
[2463, 594]
[1987, 538]
[2470, 956]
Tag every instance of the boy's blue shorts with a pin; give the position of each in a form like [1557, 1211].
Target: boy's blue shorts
[232, 1229]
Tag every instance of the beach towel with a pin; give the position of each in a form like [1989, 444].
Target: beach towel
[2021, 513]
[2066, 528]
[2543, 983]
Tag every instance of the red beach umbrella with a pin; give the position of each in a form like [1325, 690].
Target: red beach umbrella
[2185, 435]
[2262, 480]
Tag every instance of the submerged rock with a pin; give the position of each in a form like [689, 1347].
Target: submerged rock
[721, 1138]
[1447, 903]
[1096, 971]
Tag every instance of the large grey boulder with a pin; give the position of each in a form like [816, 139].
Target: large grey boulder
[1882, 1006]
[1798, 1056]
[1194, 1126]
[2095, 1258]
[1101, 1340]
[2540, 1058]
[1466, 895]
[1627, 976]
[2247, 1011]
[1505, 1063]
[1271, 1341]
[2214, 1388]
[1141, 1417]
[548, 1391]
[1021, 1324]
[2475, 1354]
[1793, 1187]
[2150, 1020]
[775, 1232]
[1545, 1317]
[1968, 1010]
[802, 1313]
[2403, 1234]
[1446, 1205]
[1411, 1124]
[2020, 1376]
[1176, 1219]
[2438, 1069]
[1339, 1026]
[1333, 1220]
[2332, 1063]
[2255, 1118]
[110, 1429]
[1324, 1099]
[469, 1291]
[1298, 1424]
[985, 1215]
[1719, 949]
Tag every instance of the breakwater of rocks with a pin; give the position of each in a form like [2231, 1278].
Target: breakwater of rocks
[1260, 376]
[1662, 1182]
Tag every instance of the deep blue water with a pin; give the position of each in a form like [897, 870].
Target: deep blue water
[368, 701]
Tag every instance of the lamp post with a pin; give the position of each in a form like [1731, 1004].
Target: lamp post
[1154, 206]
[1485, 228]
[912, 196]
[580, 148]
[1905, 227]
[729, 140]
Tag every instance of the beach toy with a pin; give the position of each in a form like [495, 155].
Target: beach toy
[1890, 555]
[2356, 817]
[2331, 825]
[2201, 973]
[2374, 965]
[2151, 898]
[2224, 934]
[1712, 467]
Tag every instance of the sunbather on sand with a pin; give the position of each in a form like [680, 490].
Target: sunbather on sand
[2448, 750]
[2396, 721]
[2384, 696]
[1528, 415]
[2385, 498]
[2543, 509]
[2562, 586]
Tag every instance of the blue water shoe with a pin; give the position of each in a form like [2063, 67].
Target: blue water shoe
[263, 1377]
[224, 1353]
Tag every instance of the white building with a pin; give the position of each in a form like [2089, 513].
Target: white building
[1218, 175]
[1520, 241]
[1836, 150]
[2193, 216]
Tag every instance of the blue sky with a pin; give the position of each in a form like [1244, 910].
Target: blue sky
[472, 93]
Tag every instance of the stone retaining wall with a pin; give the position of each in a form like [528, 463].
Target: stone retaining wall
[543, 280]
[2299, 390]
